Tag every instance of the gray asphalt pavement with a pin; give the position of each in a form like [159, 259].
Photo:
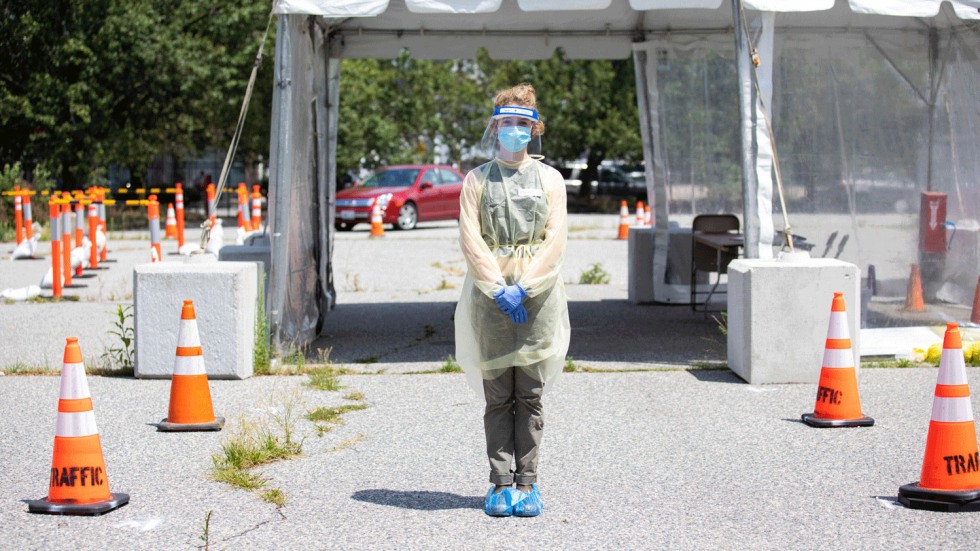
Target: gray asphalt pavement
[675, 456]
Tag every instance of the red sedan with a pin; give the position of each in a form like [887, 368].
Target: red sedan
[418, 193]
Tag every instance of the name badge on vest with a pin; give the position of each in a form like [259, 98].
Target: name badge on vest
[530, 192]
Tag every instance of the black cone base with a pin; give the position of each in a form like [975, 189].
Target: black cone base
[164, 426]
[78, 509]
[914, 497]
[814, 421]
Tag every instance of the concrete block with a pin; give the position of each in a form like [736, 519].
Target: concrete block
[225, 295]
[640, 261]
[253, 250]
[778, 315]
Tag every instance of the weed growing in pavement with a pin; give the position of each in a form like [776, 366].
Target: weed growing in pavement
[721, 320]
[323, 378]
[450, 366]
[348, 443]
[354, 396]
[206, 529]
[367, 360]
[429, 331]
[119, 356]
[261, 359]
[451, 270]
[258, 442]
[444, 285]
[21, 368]
[274, 496]
[44, 300]
[594, 275]
[324, 418]
[570, 366]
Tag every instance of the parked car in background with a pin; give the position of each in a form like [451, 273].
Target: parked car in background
[616, 181]
[418, 193]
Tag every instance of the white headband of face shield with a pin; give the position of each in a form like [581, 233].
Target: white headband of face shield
[511, 137]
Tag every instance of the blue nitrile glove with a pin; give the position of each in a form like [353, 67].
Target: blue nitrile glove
[519, 315]
[510, 297]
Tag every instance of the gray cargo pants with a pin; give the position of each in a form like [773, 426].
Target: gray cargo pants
[513, 421]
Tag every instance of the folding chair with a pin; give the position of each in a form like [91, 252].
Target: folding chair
[708, 259]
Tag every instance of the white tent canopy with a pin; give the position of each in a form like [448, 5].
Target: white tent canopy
[313, 35]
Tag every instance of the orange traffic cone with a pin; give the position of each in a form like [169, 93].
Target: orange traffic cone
[640, 215]
[624, 221]
[79, 484]
[838, 403]
[190, 397]
[975, 314]
[647, 221]
[913, 295]
[950, 480]
[170, 230]
[377, 228]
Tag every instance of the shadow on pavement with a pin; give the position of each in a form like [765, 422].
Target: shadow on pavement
[604, 330]
[420, 500]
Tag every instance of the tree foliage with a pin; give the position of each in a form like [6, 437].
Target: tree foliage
[407, 110]
[86, 84]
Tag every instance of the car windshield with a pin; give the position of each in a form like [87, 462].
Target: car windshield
[394, 177]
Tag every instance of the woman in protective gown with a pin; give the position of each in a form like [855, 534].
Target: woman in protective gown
[512, 328]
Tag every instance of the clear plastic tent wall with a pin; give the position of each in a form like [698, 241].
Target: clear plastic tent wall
[865, 122]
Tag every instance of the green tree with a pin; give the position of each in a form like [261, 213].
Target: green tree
[85, 84]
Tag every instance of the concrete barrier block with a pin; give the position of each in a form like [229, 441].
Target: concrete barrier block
[778, 314]
[225, 296]
[640, 261]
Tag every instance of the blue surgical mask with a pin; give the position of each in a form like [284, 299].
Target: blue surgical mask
[514, 138]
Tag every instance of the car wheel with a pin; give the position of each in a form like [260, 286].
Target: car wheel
[408, 216]
[343, 227]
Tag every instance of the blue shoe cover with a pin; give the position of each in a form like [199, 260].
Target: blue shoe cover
[497, 505]
[528, 504]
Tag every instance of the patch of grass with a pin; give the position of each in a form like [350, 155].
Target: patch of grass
[570, 366]
[900, 363]
[109, 371]
[274, 496]
[709, 366]
[354, 396]
[261, 358]
[258, 442]
[451, 270]
[444, 285]
[241, 479]
[20, 368]
[450, 366]
[594, 276]
[348, 443]
[325, 419]
[573, 229]
[332, 415]
[63, 298]
[323, 378]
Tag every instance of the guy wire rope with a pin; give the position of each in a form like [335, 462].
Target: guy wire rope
[233, 146]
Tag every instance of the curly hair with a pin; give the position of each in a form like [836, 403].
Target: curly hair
[521, 95]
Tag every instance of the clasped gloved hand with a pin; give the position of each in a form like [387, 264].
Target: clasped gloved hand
[509, 298]
[519, 315]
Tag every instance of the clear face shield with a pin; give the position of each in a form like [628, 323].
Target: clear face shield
[511, 130]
